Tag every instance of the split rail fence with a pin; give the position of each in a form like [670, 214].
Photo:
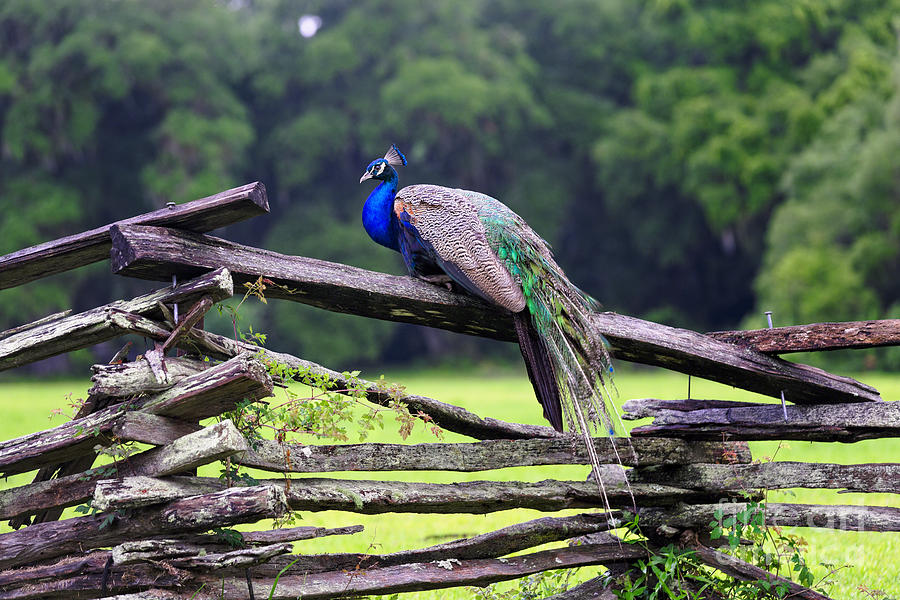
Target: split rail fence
[151, 537]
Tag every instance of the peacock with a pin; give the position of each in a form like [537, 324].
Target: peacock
[475, 241]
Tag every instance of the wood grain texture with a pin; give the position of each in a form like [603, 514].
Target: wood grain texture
[64, 254]
[376, 497]
[196, 513]
[137, 426]
[825, 516]
[481, 456]
[746, 421]
[157, 253]
[212, 391]
[195, 449]
[70, 578]
[129, 379]
[874, 477]
[430, 575]
[816, 337]
[74, 332]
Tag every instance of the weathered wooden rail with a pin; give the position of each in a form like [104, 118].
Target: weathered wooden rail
[151, 538]
[93, 246]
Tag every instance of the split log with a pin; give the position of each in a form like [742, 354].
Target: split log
[42, 321]
[137, 426]
[211, 392]
[272, 536]
[844, 517]
[96, 325]
[746, 421]
[77, 577]
[882, 477]
[633, 410]
[92, 246]
[448, 416]
[183, 556]
[207, 445]
[87, 574]
[376, 497]
[59, 444]
[430, 575]
[816, 337]
[124, 380]
[196, 513]
[203, 395]
[295, 534]
[485, 455]
[501, 542]
[696, 354]
[155, 252]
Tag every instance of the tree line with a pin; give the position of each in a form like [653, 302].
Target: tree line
[691, 162]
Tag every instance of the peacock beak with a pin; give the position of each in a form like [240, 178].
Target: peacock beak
[366, 175]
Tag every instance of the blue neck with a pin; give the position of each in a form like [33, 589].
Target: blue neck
[378, 214]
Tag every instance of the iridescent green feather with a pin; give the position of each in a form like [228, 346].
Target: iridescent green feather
[559, 311]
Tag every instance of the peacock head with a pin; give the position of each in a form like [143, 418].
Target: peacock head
[383, 168]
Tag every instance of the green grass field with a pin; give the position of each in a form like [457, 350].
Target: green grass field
[871, 559]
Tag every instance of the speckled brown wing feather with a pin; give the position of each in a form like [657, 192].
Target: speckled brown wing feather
[447, 222]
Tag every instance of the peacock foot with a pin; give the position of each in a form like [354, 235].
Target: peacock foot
[442, 280]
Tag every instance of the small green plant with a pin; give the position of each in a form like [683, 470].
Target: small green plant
[330, 407]
[232, 537]
[108, 518]
[675, 574]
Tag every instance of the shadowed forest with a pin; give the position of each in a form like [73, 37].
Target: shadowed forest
[692, 163]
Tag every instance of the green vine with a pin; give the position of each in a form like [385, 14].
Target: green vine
[330, 408]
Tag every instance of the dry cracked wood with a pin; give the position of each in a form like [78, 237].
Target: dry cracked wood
[133, 378]
[207, 445]
[816, 336]
[266, 537]
[880, 477]
[203, 395]
[92, 246]
[66, 578]
[844, 517]
[156, 253]
[193, 514]
[712, 420]
[501, 542]
[82, 576]
[485, 455]
[189, 556]
[375, 497]
[211, 392]
[434, 574]
[85, 329]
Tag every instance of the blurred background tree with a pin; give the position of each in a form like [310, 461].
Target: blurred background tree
[692, 162]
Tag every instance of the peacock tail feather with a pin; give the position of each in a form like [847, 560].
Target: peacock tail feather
[491, 252]
[560, 313]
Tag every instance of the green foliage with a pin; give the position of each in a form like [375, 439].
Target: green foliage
[677, 573]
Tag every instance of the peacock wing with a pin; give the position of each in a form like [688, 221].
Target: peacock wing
[446, 222]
